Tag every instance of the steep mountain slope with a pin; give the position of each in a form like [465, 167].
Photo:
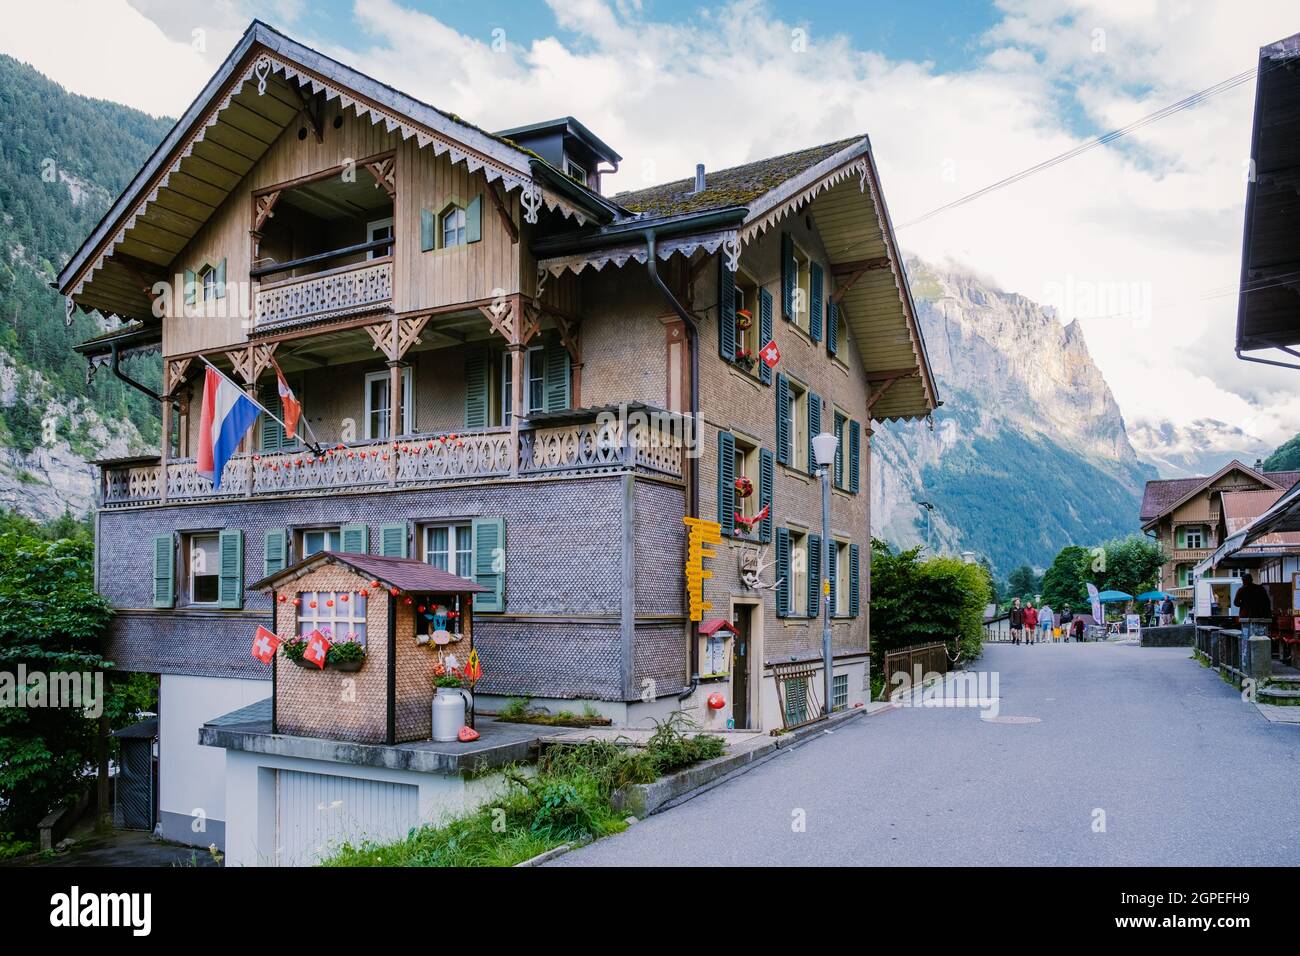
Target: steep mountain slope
[1028, 453]
[62, 160]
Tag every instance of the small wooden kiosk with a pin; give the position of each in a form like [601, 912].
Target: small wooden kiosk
[382, 691]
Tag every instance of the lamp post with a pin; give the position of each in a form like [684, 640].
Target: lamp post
[928, 508]
[824, 447]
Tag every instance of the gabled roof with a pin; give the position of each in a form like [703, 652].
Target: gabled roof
[405, 574]
[253, 97]
[1162, 496]
[838, 184]
[737, 186]
[1240, 508]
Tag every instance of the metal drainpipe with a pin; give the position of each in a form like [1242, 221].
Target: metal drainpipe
[117, 371]
[693, 488]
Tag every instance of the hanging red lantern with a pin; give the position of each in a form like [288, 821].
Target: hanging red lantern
[717, 702]
[311, 604]
[297, 602]
[364, 593]
[406, 600]
[420, 608]
[394, 591]
[374, 584]
[329, 603]
[343, 598]
[282, 599]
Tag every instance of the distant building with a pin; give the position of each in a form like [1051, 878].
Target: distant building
[1187, 517]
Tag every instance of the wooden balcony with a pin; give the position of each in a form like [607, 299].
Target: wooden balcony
[419, 461]
[345, 290]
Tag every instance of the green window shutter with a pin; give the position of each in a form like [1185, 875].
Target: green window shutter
[476, 390]
[815, 306]
[814, 575]
[787, 277]
[814, 428]
[354, 538]
[191, 287]
[832, 327]
[164, 571]
[783, 572]
[275, 551]
[392, 540]
[221, 279]
[854, 456]
[783, 437]
[764, 332]
[833, 559]
[273, 437]
[490, 563]
[426, 230]
[474, 220]
[727, 482]
[840, 421]
[1181, 541]
[853, 580]
[230, 585]
[766, 479]
[726, 310]
[556, 377]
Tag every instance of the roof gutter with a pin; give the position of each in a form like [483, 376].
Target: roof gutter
[634, 229]
[693, 486]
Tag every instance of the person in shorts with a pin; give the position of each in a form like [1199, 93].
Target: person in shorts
[1017, 618]
[1046, 621]
[1067, 622]
[1031, 623]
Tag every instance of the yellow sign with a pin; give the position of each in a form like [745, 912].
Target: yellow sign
[826, 587]
[701, 533]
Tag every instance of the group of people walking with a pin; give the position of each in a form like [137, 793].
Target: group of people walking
[1034, 625]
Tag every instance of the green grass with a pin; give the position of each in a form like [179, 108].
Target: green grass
[568, 801]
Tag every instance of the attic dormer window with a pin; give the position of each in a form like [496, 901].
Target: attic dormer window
[574, 171]
[452, 227]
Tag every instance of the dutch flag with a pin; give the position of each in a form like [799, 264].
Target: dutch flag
[227, 414]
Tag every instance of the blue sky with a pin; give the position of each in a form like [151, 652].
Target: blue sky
[941, 31]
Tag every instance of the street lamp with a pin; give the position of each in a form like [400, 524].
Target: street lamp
[928, 509]
[824, 447]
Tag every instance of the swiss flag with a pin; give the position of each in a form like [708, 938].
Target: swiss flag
[770, 354]
[264, 645]
[288, 402]
[318, 646]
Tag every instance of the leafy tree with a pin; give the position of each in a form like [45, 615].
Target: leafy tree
[1065, 581]
[1131, 565]
[51, 620]
[1023, 583]
[914, 601]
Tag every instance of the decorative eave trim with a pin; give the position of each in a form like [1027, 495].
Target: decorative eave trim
[438, 135]
[620, 255]
[791, 195]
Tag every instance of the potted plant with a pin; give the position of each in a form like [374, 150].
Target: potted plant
[346, 655]
[745, 359]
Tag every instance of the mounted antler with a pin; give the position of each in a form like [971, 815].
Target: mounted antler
[752, 565]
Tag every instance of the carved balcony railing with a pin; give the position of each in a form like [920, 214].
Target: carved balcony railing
[421, 461]
[346, 290]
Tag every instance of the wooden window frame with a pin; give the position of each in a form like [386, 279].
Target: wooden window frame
[408, 404]
[189, 538]
[453, 527]
[799, 538]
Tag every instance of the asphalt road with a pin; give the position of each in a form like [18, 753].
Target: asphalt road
[1183, 771]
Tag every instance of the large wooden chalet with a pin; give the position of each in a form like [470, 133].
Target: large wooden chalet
[504, 373]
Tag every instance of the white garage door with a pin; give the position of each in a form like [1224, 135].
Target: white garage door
[316, 812]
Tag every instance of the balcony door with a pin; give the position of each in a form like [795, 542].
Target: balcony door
[378, 404]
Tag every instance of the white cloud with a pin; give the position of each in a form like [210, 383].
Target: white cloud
[1161, 209]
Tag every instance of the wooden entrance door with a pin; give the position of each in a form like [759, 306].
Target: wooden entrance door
[742, 617]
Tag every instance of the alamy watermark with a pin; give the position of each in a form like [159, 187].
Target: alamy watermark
[82, 690]
[921, 688]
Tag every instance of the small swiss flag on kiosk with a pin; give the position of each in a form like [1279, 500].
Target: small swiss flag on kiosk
[318, 646]
[264, 645]
[770, 354]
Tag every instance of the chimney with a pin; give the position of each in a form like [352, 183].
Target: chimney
[1259, 464]
[699, 177]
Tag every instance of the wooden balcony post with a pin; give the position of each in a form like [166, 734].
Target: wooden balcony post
[165, 447]
[516, 403]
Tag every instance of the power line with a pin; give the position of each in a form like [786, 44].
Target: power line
[1186, 103]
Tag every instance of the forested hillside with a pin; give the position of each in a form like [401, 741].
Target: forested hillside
[63, 158]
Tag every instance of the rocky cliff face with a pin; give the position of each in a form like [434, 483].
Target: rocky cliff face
[1029, 452]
